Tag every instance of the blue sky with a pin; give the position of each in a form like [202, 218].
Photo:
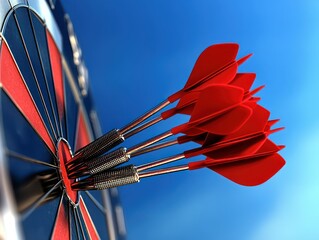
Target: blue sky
[139, 52]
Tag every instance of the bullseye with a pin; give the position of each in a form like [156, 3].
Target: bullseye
[64, 155]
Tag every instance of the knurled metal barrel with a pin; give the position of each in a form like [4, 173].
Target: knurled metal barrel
[115, 178]
[101, 145]
[107, 161]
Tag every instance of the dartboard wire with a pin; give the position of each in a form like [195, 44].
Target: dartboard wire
[109, 214]
[76, 93]
[79, 221]
[75, 221]
[95, 123]
[58, 126]
[67, 130]
[77, 130]
[96, 202]
[28, 159]
[69, 207]
[79, 115]
[26, 87]
[35, 77]
[39, 201]
[87, 220]
[57, 211]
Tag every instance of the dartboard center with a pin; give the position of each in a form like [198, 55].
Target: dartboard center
[65, 155]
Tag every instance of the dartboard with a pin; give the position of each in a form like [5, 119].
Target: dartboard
[46, 115]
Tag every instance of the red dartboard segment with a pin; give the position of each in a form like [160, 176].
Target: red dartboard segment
[64, 156]
[61, 227]
[82, 135]
[15, 87]
[56, 66]
[93, 234]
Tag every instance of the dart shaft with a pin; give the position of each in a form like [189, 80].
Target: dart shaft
[149, 142]
[142, 127]
[144, 116]
[163, 171]
[155, 147]
[160, 162]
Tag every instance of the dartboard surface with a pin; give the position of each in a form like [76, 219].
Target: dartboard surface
[46, 115]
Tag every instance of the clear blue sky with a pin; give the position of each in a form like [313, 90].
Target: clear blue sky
[139, 52]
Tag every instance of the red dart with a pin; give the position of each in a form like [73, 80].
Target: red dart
[244, 80]
[122, 155]
[195, 131]
[224, 124]
[218, 153]
[219, 116]
[222, 76]
[254, 125]
[215, 64]
[212, 126]
[257, 127]
[222, 140]
[219, 122]
[252, 172]
[231, 149]
[208, 139]
[209, 65]
[222, 98]
[208, 119]
[249, 170]
[267, 148]
[187, 102]
[225, 120]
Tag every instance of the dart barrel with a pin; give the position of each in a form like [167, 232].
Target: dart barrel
[101, 145]
[109, 179]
